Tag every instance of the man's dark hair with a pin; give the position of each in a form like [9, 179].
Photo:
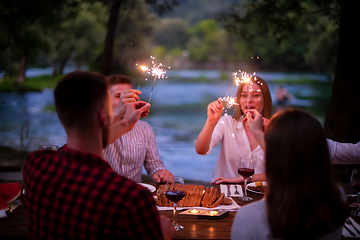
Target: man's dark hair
[78, 96]
[119, 79]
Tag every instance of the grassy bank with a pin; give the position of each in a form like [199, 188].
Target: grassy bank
[7, 84]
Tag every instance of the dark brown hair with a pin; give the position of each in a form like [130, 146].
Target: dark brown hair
[78, 95]
[303, 201]
[118, 79]
[267, 112]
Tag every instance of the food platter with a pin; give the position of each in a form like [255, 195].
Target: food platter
[259, 190]
[148, 186]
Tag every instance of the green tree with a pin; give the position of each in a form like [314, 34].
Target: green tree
[283, 38]
[207, 41]
[80, 38]
[170, 33]
[133, 37]
[280, 18]
[114, 8]
[24, 24]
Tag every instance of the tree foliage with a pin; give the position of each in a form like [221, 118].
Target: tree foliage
[24, 24]
[80, 38]
[282, 21]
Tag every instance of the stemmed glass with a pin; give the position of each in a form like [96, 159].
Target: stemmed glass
[175, 191]
[355, 183]
[246, 170]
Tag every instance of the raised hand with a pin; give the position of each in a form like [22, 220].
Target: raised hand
[255, 120]
[215, 110]
[133, 112]
[127, 96]
[257, 125]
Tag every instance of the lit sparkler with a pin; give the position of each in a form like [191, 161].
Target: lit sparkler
[229, 101]
[143, 69]
[240, 77]
[156, 71]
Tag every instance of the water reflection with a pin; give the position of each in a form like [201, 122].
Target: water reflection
[177, 115]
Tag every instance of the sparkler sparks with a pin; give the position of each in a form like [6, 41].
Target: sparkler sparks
[240, 77]
[229, 102]
[157, 71]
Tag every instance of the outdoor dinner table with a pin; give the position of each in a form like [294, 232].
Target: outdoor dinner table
[15, 225]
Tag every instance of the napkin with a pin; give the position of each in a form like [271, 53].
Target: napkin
[232, 207]
[3, 214]
[351, 227]
[231, 188]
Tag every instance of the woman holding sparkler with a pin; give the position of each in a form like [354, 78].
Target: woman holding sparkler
[233, 132]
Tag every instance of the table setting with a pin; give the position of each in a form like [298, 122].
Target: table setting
[231, 190]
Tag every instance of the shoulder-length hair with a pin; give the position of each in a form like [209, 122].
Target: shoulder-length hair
[267, 111]
[303, 201]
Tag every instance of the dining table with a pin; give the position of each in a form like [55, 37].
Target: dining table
[14, 226]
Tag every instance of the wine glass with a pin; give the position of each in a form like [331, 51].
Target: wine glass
[49, 147]
[246, 170]
[355, 183]
[175, 191]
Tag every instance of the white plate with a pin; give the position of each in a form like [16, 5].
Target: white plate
[253, 185]
[148, 186]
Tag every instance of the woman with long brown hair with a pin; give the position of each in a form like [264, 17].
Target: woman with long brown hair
[302, 200]
[236, 138]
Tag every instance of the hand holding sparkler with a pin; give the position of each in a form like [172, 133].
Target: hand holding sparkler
[134, 111]
[215, 110]
[256, 121]
[125, 97]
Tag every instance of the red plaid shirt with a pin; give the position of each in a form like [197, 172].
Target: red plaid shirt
[76, 195]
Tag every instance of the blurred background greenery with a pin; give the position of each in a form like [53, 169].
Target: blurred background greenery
[187, 34]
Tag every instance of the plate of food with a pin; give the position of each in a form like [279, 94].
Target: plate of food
[257, 187]
[148, 186]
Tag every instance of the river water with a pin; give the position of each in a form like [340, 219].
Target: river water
[177, 115]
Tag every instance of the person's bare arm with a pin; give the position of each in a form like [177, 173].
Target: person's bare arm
[256, 125]
[255, 178]
[214, 112]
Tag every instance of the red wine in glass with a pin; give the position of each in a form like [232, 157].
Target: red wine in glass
[246, 172]
[246, 169]
[175, 191]
[356, 186]
[175, 195]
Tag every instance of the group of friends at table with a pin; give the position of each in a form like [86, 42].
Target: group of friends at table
[88, 188]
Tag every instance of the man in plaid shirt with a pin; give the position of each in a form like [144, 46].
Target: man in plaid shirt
[73, 193]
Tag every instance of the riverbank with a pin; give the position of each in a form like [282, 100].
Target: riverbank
[34, 84]
[39, 79]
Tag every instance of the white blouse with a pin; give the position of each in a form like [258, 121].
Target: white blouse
[234, 144]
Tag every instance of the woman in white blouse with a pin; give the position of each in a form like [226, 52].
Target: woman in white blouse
[233, 132]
